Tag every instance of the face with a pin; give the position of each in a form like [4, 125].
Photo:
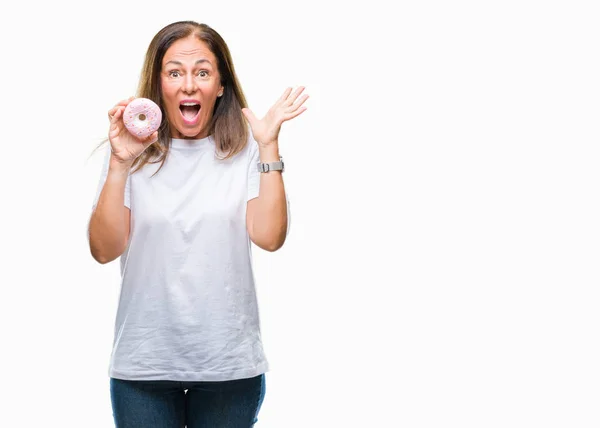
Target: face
[190, 84]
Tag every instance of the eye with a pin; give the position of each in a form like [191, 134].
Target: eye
[203, 73]
[173, 73]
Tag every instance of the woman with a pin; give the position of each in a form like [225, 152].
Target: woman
[181, 208]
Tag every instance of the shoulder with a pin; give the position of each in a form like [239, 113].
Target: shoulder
[251, 148]
[248, 150]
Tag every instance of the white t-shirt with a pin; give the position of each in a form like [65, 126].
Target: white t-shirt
[187, 308]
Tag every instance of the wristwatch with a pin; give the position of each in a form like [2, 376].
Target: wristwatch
[271, 166]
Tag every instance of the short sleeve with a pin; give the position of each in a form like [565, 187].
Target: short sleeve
[254, 179]
[253, 173]
[104, 174]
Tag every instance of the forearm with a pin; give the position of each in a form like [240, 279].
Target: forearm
[270, 222]
[109, 228]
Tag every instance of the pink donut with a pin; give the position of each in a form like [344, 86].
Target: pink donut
[142, 117]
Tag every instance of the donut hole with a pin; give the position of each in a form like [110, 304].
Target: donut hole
[142, 116]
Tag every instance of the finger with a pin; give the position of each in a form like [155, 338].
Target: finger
[286, 94]
[115, 130]
[294, 107]
[294, 114]
[123, 103]
[111, 112]
[151, 139]
[117, 114]
[249, 115]
[116, 125]
[295, 95]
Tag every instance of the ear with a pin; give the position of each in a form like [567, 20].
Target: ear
[221, 91]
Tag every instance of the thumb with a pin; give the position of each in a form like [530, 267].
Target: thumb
[249, 115]
[151, 139]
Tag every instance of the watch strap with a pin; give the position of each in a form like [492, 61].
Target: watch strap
[271, 166]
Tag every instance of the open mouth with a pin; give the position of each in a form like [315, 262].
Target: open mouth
[189, 110]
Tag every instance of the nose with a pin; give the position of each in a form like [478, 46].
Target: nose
[189, 84]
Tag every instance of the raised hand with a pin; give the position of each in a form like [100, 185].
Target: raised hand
[266, 130]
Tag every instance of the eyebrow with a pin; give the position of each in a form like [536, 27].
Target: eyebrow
[200, 61]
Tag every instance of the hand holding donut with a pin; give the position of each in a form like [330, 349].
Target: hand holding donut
[133, 125]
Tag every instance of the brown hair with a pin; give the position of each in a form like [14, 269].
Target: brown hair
[227, 126]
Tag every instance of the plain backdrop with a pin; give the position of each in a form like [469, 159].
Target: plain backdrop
[442, 264]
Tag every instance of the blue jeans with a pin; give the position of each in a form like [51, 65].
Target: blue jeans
[167, 404]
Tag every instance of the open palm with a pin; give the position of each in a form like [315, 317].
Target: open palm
[266, 130]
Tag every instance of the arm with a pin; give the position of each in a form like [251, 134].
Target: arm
[267, 216]
[108, 230]
[109, 223]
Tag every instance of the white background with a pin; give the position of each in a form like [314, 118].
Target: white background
[442, 266]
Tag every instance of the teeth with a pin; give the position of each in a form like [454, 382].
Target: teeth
[189, 104]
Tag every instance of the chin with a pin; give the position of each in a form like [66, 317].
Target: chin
[189, 133]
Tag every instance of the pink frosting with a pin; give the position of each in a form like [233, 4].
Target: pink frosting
[145, 126]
